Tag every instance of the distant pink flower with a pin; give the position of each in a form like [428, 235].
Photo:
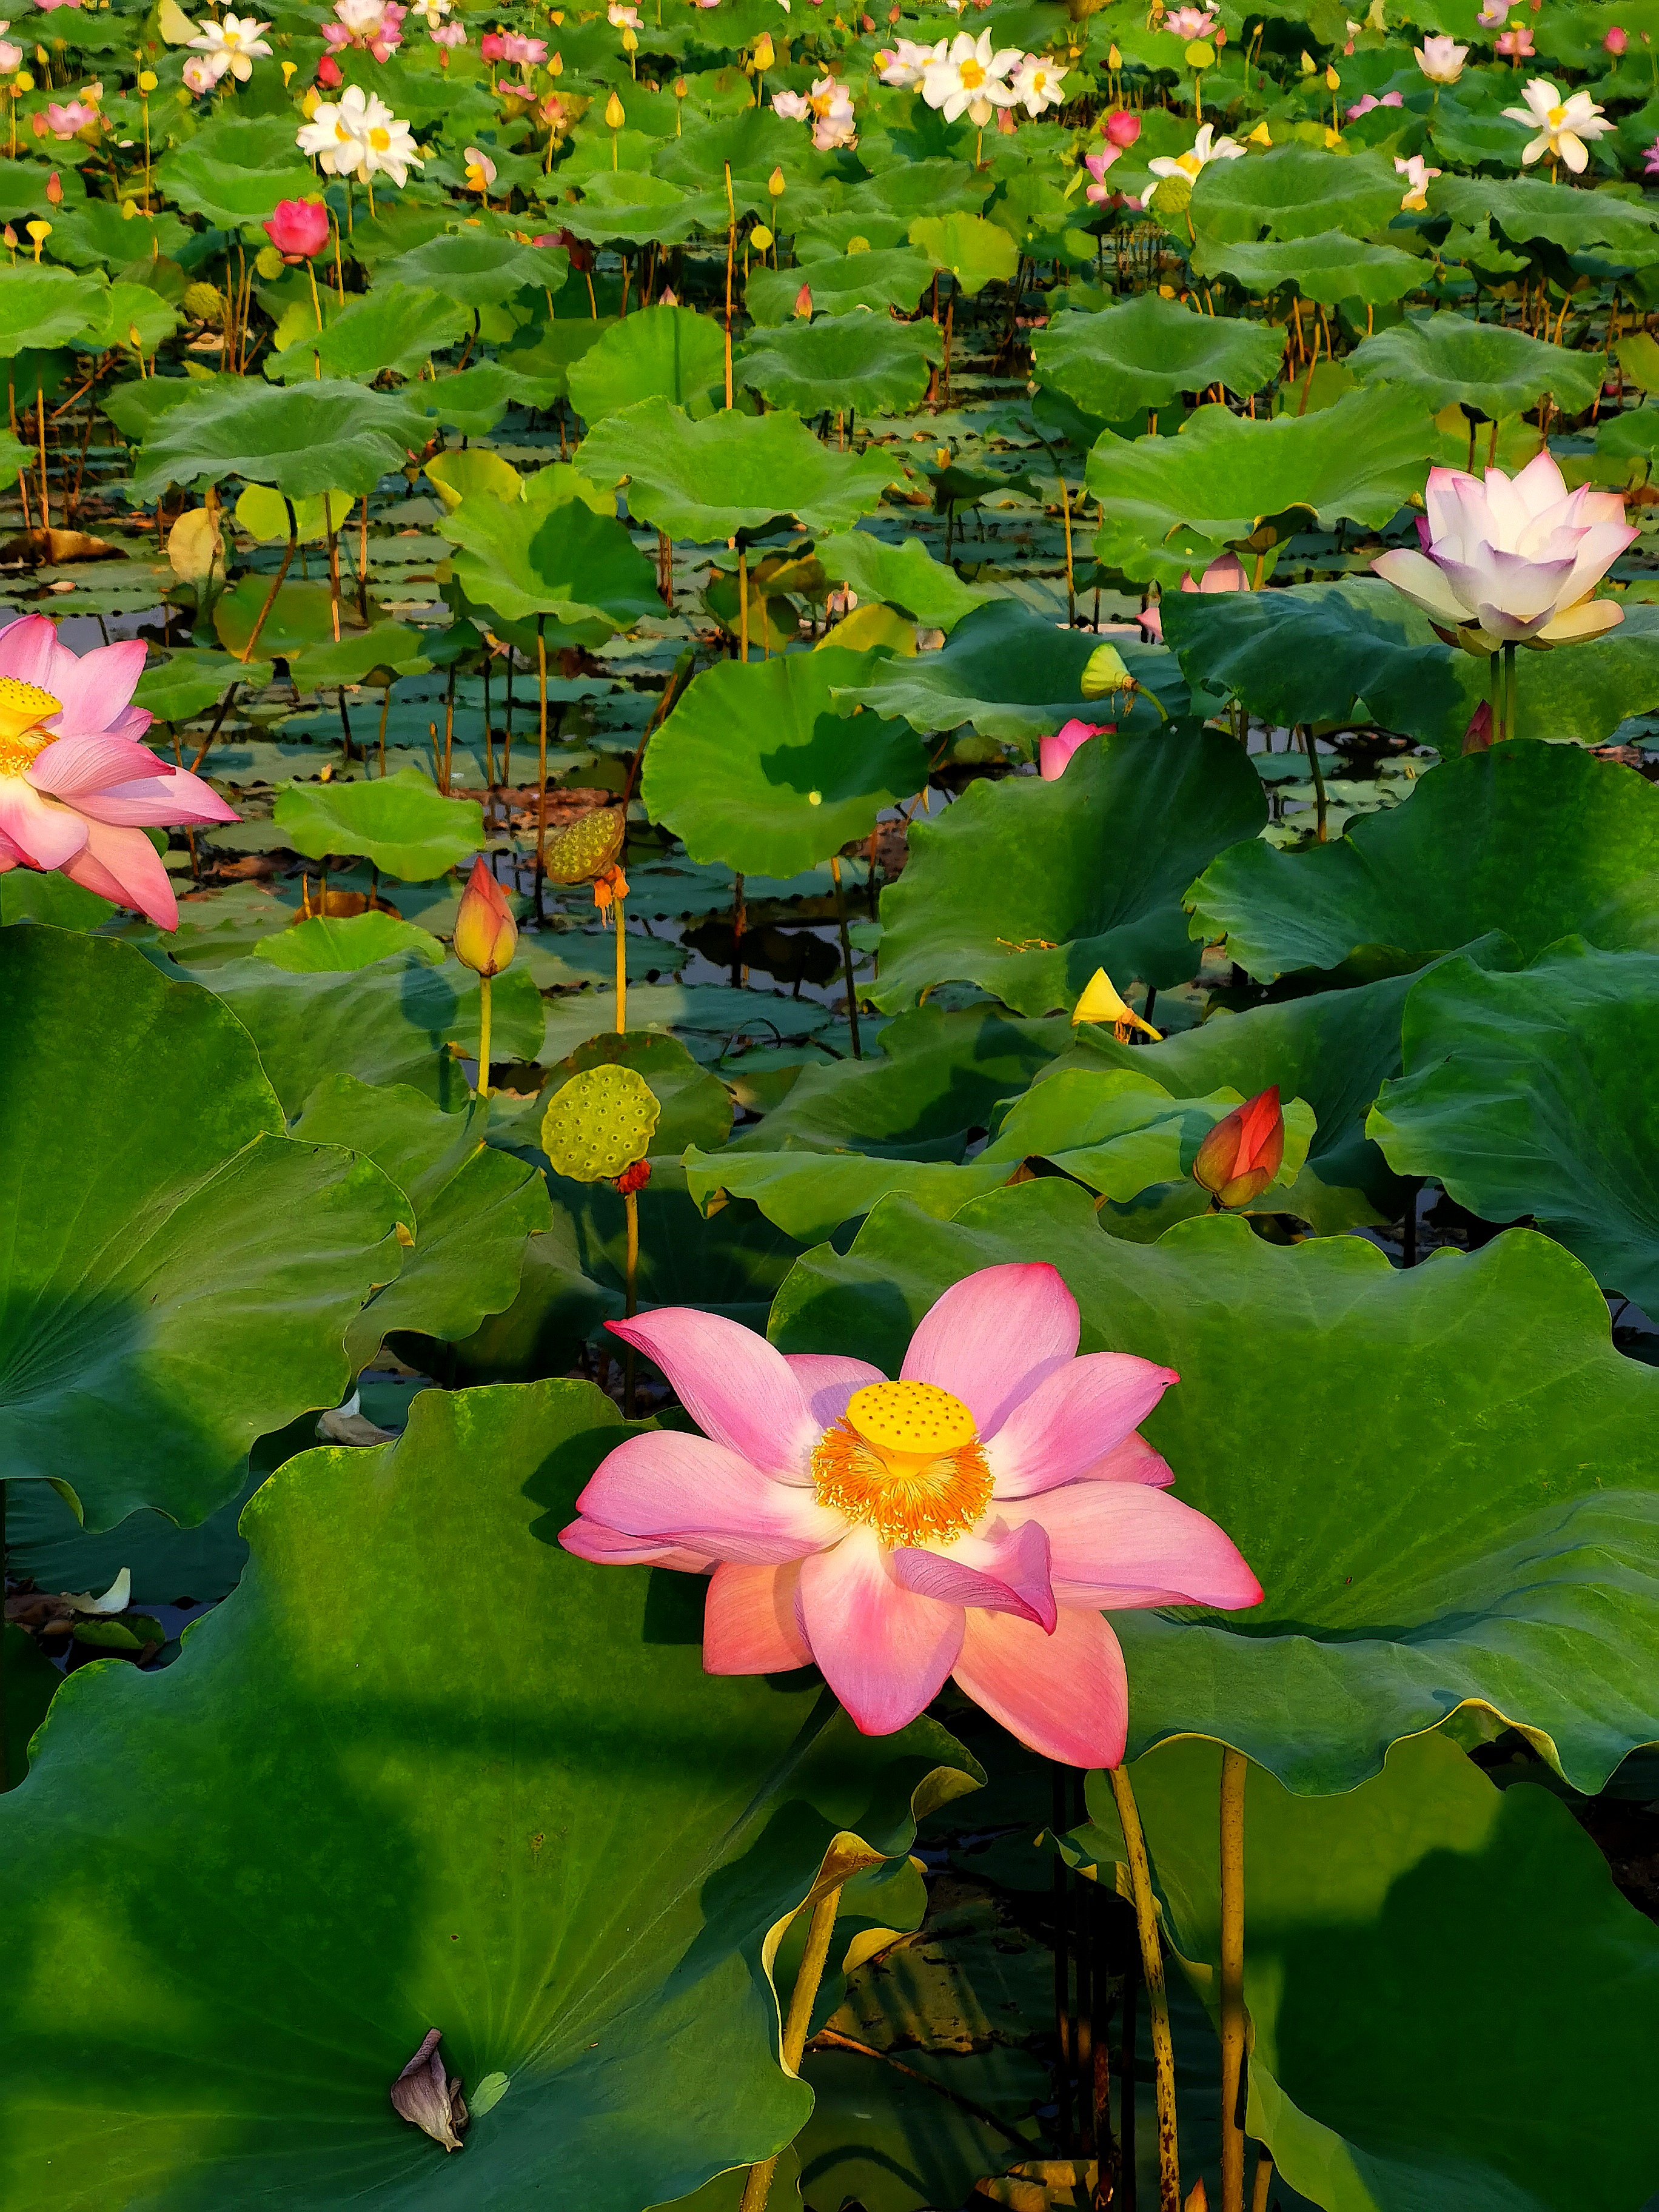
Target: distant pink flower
[11, 58]
[328, 73]
[78, 789]
[199, 74]
[1099, 193]
[522, 51]
[1190, 22]
[793, 107]
[1651, 161]
[973, 1519]
[515, 91]
[1615, 41]
[46, 6]
[1224, 573]
[489, 45]
[375, 25]
[449, 34]
[1367, 100]
[67, 119]
[1055, 753]
[1120, 128]
[1516, 45]
[1494, 15]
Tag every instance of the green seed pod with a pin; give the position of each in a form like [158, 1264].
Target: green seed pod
[204, 301]
[599, 1123]
[587, 848]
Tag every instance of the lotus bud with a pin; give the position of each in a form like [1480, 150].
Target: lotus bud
[1122, 128]
[555, 66]
[774, 184]
[287, 69]
[9, 239]
[1307, 62]
[134, 339]
[765, 53]
[681, 88]
[1005, 124]
[311, 103]
[760, 238]
[1261, 136]
[804, 302]
[38, 234]
[1615, 41]
[148, 82]
[1244, 1151]
[422, 2095]
[54, 190]
[615, 114]
[486, 935]
[1100, 1002]
[1114, 59]
[1198, 2200]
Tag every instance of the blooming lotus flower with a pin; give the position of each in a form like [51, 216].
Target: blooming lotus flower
[199, 74]
[1417, 178]
[360, 137]
[831, 108]
[11, 58]
[1516, 44]
[375, 27]
[486, 936]
[480, 171]
[1121, 129]
[232, 45]
[1100, 193]
[78, 789]
[1506, 563]
[1190, 22]
[970, 75]
[1651, 161]
[1204, 149]
[622, 19]
[970, 1520]
[1440, 60]
[46, 6]
[1055, 753]
[449, 34]
[1615, 41]
[1036, 85]
[524, 52]
[67, 119]
[1562, 126]
[1494, 15]
[521, 92]
[792, 106]
[1243, 1151]
[1367, 100]
[905, 63]
[298, 229]
[429, 12]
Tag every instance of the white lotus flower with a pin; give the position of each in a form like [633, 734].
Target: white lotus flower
[1204, 149]
[431, 12]
[793, 107]
[199, 74]
[232, 44]
[360, 137]
[1562, 126]
[1036, 84]
[905, 63]
[1512, 563]
[1440, 60]
[1417, 176]
[969, 77]
[831, 108]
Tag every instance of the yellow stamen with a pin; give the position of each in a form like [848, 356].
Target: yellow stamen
[22, 708]
[907, 1460]
[1558, 116]
[972, 75]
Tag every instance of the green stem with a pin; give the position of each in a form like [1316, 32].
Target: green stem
[1510, 723]
[758, 2186]
[1318, 778]
[1157, 2002]
[1234, 1768]
[621, 963]
[631, 1266]
[1495, 688]
[276, 581]
[5, 1761]
[846, 956]
[483, 1040]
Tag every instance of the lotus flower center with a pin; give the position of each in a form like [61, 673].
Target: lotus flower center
[22, 708]
[380, 140]
[1190, 163]
[906, 1459]
[1558, 116]
[972, 75]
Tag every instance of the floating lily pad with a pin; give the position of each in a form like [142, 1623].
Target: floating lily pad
[1148, 351]
[401, 823]
[866, 362]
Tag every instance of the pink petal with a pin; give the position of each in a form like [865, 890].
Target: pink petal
[96, 688]
[738, 1388]
[1065, 1695]
[994, 1337]
[829, 1381]
[1121, 1545]
[45, 834]
[158, 802]
[1133, 1461]
[751, 1621]
[608, 1547]
[1006, 1570]
[124, 866]
[692, 1493]
[29, 651]
[1073, 1418]
[885, 1651]
[71, 766]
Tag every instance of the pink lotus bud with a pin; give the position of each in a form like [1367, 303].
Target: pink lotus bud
[1616, 40]
[299, 229]
[1055, 752]
[804, 302]
[1478, 736]
[1123, 128]
[486, 935]
[328, 72]
[493, 46]
[1244, 1151]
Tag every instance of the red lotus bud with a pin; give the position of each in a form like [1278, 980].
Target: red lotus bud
[1123, 128]
[1244, 1151]
[1478, 736]
[804, 301]
[298, 229]
[1616, 40]
[328, 72]
[486, 935]
[54, 189]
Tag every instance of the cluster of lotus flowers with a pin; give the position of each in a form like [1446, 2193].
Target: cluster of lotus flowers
[965, 76]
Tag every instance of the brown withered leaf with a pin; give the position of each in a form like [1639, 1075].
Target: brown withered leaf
[422, 2095]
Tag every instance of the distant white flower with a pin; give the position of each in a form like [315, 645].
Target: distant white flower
[1417, 183]
[969, 77]
[905, 63]
[622, 19]
[360, 137]
[1440, 60]
[199, 74]
[1036, 83]
[232, 44]
[1562, 126]
[831, 108]
[1204, 149]
[793, 107]
[431, 12]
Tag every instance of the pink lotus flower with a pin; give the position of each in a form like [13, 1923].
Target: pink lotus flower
[1505, 562]
[1100, 193]
[1516, 44]
[523, 51]
[200, 76]
[11, 57]
[489, 45]
[66, 119]
[78, 789]
[1368, 101]
[449, 34]
[1120, 128]
[46, 6]
[375, 26]
[1615, 41]
[1651, 161]
[298, 229]
[1055, 752]
[970, 1519]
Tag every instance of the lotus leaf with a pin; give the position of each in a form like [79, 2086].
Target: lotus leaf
[47, 307]
[332, 436]
[1329, 267]
[395, 326]
[1149, 351]
[182, 1275]
[236, 168]
[401, 823]
[550, 553]
[187, 684]
[906, 576]
[1294, 191]
[362, 656]
[476, 269]
[328, 943]
[628, 206]
[869, 363]
[1526, 208]
[1482, 366]
[878, 280]
[975, 252]
[661, 353]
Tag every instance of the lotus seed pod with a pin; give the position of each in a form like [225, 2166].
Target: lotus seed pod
[203, 300]
[1105, 672]
[587, 847]
[599, 1123]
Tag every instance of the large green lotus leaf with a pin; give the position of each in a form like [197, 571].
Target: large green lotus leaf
[1173, 504]
[1009, 671]
[236, 168]
[1026, 887]
[763, 767]
[360, 656]
[187, 684]
[559, 1309]
[1463, 1510]
[476, 270]
[44, 306]
[550, 553]
[1116, 1131]
[733, 473]
[394, 326]
[631, 207]
[28, 895]
[1526, 208]
[1538, 842]
[403, 823]
[1530, 1093]
[890, 277]
[391, 1022]
[91, 234]
[1472, 2070]
[31, 1681]
[1294, 191]
[180, 1275]
[378, 1792]
[123, 309]
[755, 141]
[1148, 351]
[1323, 653]
[332, 436]
[475, 1207]
[1485, 366]
[869, 363]
[669, 353]
[938, 186]
[1328, 268]
[546, 354]
[906, 576]
[976, 253]
[345, 942]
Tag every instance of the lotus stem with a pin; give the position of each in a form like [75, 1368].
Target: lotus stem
[802, 1998]
[1157, 2002]
[541, 755]
[5, 1762]
[1263, 2184]
[730, 252]
[385, 709]
[846, 955]
[1070, 578]
[742, 602]
[276, 581]
[1511, 728]
[621, 961]
[1234, 1769]
[1318, 778]
[630, 1291]
[483, 1040]
[334, 562]
[40, 418]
